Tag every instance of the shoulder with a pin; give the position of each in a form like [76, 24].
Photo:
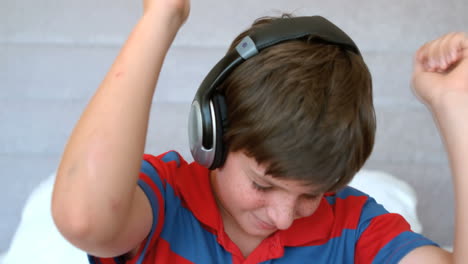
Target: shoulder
[347, 192]
[169, 158]
[171, 170]
[338, 216]
[351, 202]
[163, 166]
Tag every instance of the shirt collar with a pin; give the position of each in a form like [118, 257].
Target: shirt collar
[195, 187]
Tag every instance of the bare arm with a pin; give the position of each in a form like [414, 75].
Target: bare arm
[96, 202]
[440, 80]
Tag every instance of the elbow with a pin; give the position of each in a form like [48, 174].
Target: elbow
[85, 217]
[81, 222]
[67, 211]
[73, 225]
[86, 232]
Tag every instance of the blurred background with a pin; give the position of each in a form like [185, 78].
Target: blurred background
[54, 54]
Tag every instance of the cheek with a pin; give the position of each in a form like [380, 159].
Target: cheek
[308, 207]
[239, 194]
[248, 197]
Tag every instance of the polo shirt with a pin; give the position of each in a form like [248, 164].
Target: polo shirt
[347, 227]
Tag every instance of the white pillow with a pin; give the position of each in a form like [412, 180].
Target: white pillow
[394, 194]
[37, 239]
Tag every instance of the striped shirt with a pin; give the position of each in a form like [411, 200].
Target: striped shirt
[347, 227]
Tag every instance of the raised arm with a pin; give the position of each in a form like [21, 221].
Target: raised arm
[440, 80]
[96, 202]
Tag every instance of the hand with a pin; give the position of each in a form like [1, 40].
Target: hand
[174, 8]
[441, 70]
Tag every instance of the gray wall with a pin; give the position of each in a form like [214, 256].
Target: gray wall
[53, 55]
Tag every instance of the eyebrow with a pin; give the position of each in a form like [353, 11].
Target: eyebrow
[268, 181]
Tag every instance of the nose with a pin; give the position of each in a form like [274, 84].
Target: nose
[282, 212]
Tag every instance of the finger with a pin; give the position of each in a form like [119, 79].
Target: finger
[421, 58]
[439, 54]
[434, 54]
[421, 55]
[460, 45]
[431, 51]
[450, 51]
[446, 52]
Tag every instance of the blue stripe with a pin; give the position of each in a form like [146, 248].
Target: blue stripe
[400, 246]
[187, 237]
[349, 191]
[155, 209]
[150, 171]
[119, 260]
[93, 260]
[171, 156]
[345, 193]
[331, 199]
[336, 250]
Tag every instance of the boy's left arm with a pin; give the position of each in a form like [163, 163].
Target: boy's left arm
[440, 80]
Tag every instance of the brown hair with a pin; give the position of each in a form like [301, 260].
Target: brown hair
[303, 109]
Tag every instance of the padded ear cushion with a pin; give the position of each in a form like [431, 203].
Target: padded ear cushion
[220, 109]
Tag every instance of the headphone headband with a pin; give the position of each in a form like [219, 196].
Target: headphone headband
[280, 30]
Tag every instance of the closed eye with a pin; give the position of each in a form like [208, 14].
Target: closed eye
[261, 188]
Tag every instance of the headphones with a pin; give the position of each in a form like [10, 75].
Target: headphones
[208, 113]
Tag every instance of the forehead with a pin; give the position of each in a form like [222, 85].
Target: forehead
[256, 170]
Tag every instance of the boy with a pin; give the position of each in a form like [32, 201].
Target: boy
[294, 134]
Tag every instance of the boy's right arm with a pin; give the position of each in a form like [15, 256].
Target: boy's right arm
[96, 203]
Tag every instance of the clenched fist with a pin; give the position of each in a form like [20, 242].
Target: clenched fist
[441, 70]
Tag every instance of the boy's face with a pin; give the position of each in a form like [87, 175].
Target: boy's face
[257, 204]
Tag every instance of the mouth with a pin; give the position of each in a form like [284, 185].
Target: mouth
[264, 225]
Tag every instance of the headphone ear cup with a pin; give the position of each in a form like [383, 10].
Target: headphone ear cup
[220, 109]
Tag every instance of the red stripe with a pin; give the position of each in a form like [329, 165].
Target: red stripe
[328, 222]
[347, 214]
[373, 240]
